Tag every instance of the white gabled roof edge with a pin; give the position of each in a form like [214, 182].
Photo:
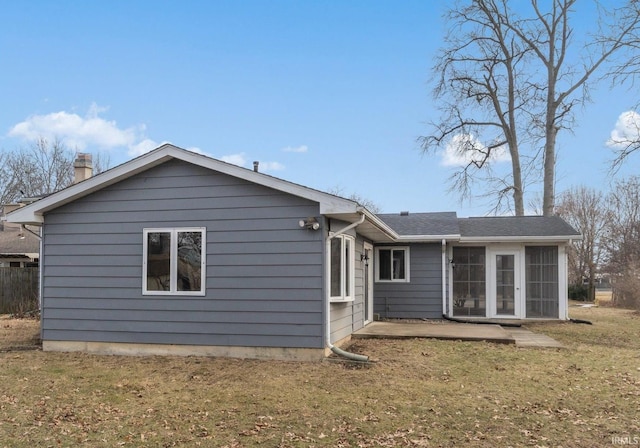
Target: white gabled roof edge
[379, 223]
[33, 213]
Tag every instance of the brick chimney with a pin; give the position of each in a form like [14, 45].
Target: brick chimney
[83, 167]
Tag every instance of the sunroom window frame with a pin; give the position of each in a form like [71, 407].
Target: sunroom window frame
[173, 264]
[407, 264]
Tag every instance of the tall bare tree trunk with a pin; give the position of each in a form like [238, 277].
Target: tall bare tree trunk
[518, 191]
[511, 81]
[549, 197]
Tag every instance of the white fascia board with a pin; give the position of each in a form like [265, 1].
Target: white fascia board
[428, 238]
[521, 239]
[371, 220]
[22, 216]
[330, 206]
[380, 224]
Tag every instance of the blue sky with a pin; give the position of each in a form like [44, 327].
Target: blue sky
[331, 94]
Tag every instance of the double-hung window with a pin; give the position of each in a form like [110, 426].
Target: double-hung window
[174, 261]
[392, 264]
[341, 267]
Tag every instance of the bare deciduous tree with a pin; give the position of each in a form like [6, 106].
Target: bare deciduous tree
[513, 80]
[478, 73]
[42, 168]
[622, 242]
[367, 203]
[586, 211]
[9, 188]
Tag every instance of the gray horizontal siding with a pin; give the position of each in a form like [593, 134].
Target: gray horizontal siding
[221, 226]
[257, 305]
[263, 278]
[341, 320]
[422, 296]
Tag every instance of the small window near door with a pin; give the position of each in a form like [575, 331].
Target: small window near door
[392, 264]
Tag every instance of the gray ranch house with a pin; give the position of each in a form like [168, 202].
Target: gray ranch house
[177, 253]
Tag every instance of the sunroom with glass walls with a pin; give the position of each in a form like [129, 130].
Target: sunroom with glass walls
[506, 281]
[469, 281]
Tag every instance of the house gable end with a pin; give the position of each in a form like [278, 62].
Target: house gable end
[33, 213]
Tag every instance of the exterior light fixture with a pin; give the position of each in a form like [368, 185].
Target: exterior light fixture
[310, 223]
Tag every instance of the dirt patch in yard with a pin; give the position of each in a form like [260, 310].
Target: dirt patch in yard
[19, 334]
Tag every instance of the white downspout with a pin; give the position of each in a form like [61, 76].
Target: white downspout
[564, 290]
[327, 310]
[444, 277]
[346, 229]
[23, 228]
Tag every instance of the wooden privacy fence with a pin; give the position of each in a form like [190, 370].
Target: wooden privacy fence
[18, 290]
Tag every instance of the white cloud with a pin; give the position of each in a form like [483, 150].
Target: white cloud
[79, 132]
[198, 151]
[299, 149]
[239, 159]
[91, 131]
[271, 166]
[143, 147]
[466, 148]
[88, 131]
[626, 130]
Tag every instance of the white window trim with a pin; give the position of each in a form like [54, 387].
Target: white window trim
[174, 261]
[407, 266]
[345, 296]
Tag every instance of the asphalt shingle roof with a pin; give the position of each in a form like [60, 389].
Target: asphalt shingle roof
[447, 223]
[10, 243]
[440, 223]
[515, 226]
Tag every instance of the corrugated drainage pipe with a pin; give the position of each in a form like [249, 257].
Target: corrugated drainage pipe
[580, 321]
[349, 355]
[481, 322]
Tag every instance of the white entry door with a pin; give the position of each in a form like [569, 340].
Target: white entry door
[367, 258]
[505, 294]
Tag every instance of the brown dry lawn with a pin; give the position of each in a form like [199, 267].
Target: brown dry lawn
[417, 393]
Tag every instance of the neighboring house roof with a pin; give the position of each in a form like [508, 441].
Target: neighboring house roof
[439, 224]
[11, 245]
[516, 228]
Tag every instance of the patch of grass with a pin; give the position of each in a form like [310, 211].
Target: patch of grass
[19, 333]
[418, 393]
[604, 297]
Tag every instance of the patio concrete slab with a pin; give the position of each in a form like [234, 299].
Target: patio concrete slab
[447, 331]
[527, 338]
[519, 336]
